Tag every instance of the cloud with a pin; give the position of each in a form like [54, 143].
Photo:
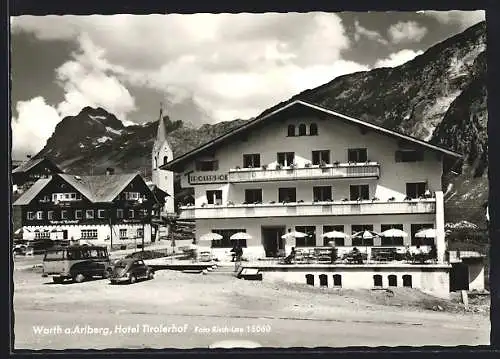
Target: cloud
[463, 19]
[398, 58]
[88, 80]
[404, 32]
[35, 123]
[232, 65]
[370, 34]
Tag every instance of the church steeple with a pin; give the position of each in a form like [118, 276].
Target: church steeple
[161, 134]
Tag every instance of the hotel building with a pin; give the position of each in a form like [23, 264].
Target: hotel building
[306, 168]
[113, 210]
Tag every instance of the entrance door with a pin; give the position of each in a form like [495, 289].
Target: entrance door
[274, 245]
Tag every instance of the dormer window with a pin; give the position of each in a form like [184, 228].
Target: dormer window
[313, 129]
[302, 130]
[291, 130]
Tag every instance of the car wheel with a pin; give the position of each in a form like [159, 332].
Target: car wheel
[107, 273]
[151, 275]
[57, 280]
[79, 278]
[132, 279]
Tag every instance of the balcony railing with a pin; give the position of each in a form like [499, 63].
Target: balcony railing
[343, 170]
[347, 208]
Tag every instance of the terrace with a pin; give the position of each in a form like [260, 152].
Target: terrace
[294, 209]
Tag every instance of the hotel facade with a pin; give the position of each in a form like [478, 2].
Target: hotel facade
[305, 168]
[112, 210]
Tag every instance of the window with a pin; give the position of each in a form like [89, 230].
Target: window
[286, 158]
[123, 233]
[207, 165]
[319, 157]
[415, 228]
[391, 241]
[409, 156]
[42, 235]
[226, 241]
[337, 280]
[359, 192]
[67, 196]
[50, 215]
[309, 279]
[45, 199]
[89, 233]
[89, 214]
[39, 215]
[339, 242]
[253, 195]
[291, 130]
[323, 280]
[377, 280]
[101, 213]
[251, 160]
[64, 214]
[140, 232]
[407, 281]
[119, 213]
[165, 159]
[302, 130]
[30, 215]
[131, 213]
[322, 193]
[358, 241]
[415, 190]
[132, 196]
[78, 214]
[393, 281]
[357, 155]
[287, 194]
[73, 196]
[214, 197]
[313, 129]
[310, 240]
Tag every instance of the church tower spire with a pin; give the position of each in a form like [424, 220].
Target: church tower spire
[161, 154]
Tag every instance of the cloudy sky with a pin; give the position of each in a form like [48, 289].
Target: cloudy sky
[227, 66]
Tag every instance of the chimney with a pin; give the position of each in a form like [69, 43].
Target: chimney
[110, 171]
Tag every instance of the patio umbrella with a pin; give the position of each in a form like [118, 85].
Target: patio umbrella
[240, 235]
[394, 232]
[426, 233]
[208, 237]
[294, 234]
[366, 234]
[335, 234]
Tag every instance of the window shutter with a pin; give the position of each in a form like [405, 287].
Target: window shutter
[398, 156]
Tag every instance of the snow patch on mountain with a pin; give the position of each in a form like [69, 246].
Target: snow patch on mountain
[103, 139]
[112, 130]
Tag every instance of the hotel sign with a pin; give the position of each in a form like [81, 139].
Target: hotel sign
[65, 222]
[197, 178]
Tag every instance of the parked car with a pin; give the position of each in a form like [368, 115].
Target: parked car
[130, 270]
[76, 262]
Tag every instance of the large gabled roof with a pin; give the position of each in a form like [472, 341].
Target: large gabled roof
[32, 192]
[28, 165]
[238, 130]
[101, 188]
[97, 189]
